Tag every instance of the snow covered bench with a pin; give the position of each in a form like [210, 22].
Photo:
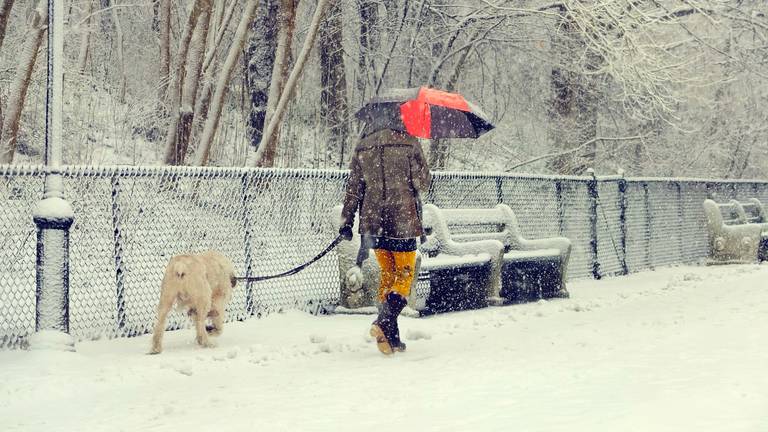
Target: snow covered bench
[737, 231]
[521, 269]
[460, 274]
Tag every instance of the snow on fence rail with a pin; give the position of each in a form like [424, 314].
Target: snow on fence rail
[130, 220]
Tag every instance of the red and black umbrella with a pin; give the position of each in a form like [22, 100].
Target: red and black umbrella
[425, 113]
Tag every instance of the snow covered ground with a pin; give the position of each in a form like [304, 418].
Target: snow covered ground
[677, 349]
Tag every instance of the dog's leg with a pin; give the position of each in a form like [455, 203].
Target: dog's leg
[166, 302]
[200, 318]
[217, 317]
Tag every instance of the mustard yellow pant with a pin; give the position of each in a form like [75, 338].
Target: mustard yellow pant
[397, 272]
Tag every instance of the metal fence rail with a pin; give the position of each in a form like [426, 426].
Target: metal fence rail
[130, 220]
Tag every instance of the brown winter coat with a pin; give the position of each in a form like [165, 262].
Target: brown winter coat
[387, 172]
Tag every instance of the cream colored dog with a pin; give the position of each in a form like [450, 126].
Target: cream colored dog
[201, 285]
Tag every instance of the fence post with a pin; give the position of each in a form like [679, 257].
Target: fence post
[680, 220]
[648, 225]
[623, 222]
[53, 217]
[593, 197]
[560, 207]
[117, 218]
[245, 182]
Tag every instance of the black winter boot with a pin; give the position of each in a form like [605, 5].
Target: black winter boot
[395, 342]
[396, 303]
[385, 328]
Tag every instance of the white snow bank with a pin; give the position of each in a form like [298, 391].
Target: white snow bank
[51, 340]
[680, 349]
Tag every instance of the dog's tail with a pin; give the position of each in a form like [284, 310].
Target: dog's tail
[179, 268]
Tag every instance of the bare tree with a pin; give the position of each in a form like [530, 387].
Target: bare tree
[369, 44]
[333, 86]
[120, 48]
[5, 13]
[260, 59]
[164, 33]
[106, 23]
[220, 27]
[439, 148]
[85, 38]
[1, 120]
[188, 64]
[573, 113]
[449, 57]
[270, 133]
[212, 122]
[18, 91]
[192, 77]
[209, 75]
[286, 24]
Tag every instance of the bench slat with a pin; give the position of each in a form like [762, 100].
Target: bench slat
[469, 237]
[445, 261]
[539, 254]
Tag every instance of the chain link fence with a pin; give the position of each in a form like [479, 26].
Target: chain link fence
[130, 220]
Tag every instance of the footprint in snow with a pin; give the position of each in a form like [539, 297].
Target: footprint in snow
[316, 339]
[185, 370]
[415, 334]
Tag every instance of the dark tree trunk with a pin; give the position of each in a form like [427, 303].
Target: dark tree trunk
[17, 93]
[333, 81]
[573, 112]
[164, 35]
[265, 154]
[5, 13]
[260, 59]
[412, 50]
[183, 88]
[106, 17]
[156, 15]
[369, 45]
[182, 136]
[286, 24]
[191, 84]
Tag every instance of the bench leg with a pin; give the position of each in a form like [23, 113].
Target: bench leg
[494, 283]
[762, 250]
[526, 281]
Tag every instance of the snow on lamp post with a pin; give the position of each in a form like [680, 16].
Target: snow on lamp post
[53, 215]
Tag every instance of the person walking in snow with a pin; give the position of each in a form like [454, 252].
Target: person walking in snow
[387, 174]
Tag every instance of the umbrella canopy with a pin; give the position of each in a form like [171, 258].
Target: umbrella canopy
[425, 113]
